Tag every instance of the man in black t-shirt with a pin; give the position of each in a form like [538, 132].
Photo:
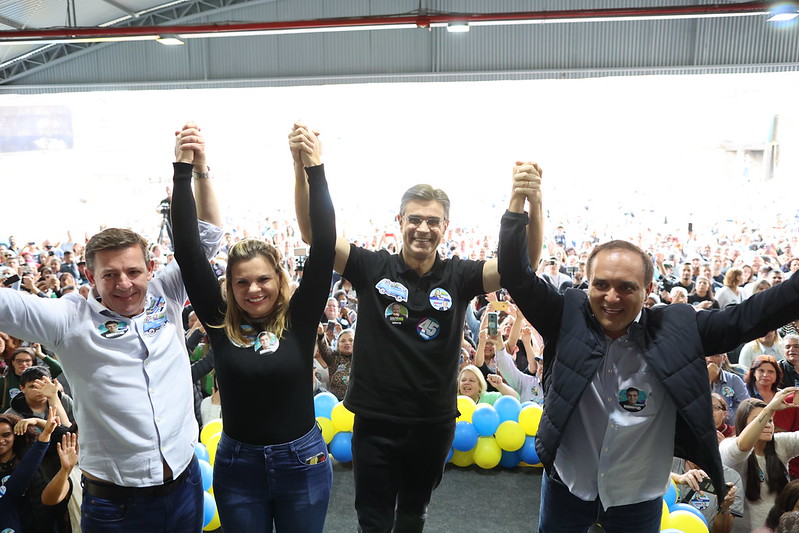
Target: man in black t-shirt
[402, 385]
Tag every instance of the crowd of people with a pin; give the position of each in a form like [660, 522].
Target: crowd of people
[632, 348]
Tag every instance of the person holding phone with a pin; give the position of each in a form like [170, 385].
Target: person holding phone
[339, 361]
[274, 473]
[697, 490]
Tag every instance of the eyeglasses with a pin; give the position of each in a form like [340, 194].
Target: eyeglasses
[719, 408]
[415, 220]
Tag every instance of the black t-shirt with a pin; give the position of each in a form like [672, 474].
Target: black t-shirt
[265, 390]
[405, 363]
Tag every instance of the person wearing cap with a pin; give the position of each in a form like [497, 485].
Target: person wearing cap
[133, 394]
[554, 276]
[600, 344]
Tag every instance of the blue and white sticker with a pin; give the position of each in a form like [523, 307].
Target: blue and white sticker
[700, 501]
[727, 391]
[428, 328]
[440, 299]
[392, 289]
[248, 332]
[113, 329]
[267, 342]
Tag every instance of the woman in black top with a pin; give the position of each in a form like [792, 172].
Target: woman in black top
[272, 464]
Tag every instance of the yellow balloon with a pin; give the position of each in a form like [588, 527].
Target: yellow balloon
[487, 453]
[460, 458]
[326, 425]
[213, 442]
[510, 435]
[685, 521]
[211, 428]
[214, 523]
[665, 515]
[529, 418]
[342, 418]
[466, 408]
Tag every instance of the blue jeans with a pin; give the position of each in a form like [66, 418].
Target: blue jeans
[179, 511]
[396, 467]
[563, 512]
[256, 486]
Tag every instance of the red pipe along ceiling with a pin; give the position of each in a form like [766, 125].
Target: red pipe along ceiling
[388, 21]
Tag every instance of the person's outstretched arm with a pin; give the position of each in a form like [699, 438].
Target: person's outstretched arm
[303, 140]
[526, 185]
[58, 488]
[751, 433]
[191, 140]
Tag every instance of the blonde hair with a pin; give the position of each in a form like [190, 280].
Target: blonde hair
[478, 374]
[277, 321]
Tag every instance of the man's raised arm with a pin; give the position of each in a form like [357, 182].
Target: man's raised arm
[190, 148]
[526, 186]
[303, 139]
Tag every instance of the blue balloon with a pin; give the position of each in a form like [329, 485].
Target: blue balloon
[528, 453]
[451, 453]
[341, 446]
[671, 495]
[465, 436]
[510, 459]
[507, 408]
[209, 508]
[485, 420]
[525, 404]
[201, 452]
[323, 404]
[689, 508]
[207, 473]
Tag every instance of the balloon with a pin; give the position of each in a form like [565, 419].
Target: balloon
[211, 428]
[465, 408]
[685, 521]
[209, 509]
[323, 404]
[214, 524]
[529, 418]
[487, 453]
[671, 494]
[462, 458]
[507, 408]
[510, 436]
[201, 451]
[529, 455]
[689, 508]
[451, 452]
[510, 459]
[212, 444]
[485, 420]
[465, 436]
[207, 474]
[326, 425]
[341, 447]
[342, 418]
[665, 514]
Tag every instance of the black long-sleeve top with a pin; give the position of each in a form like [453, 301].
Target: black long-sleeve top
[266, 398]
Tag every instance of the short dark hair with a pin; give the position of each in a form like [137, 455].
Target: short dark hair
[425, 193]
[114, 239]
[33, 373]
[649, 268]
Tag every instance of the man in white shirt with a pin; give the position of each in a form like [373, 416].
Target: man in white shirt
[132, 388]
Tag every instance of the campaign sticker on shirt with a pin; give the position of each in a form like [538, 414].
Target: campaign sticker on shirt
[2, 491]
[13, 392]
[113, 329]
[632, 399]
[428, 328]
[727, 391]
[267, 342]
[395, 290]
[700, 501]
[440, 299]
[396, 313]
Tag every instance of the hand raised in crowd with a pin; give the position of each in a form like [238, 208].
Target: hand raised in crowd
[778, 403]
[21, 427]
[494, 380]
[48, 387]
[190, 146]
[68, 451]
[49, 426]
[28, 283]
[707, 304]
[305, 145]
[713, 371]
[729, 498]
